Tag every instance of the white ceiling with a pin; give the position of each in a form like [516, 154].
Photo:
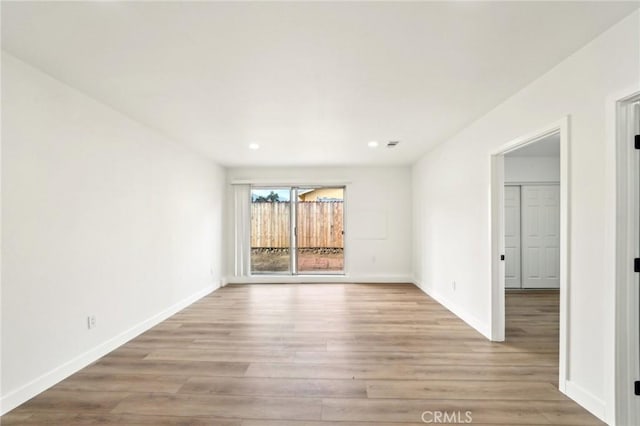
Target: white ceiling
[312, 83]
[546, 147]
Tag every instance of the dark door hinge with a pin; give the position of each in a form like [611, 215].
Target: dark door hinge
[636, 387]
[636, 264]
[637, 141]
[502, 257]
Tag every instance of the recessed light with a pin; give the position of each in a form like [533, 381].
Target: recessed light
[373, 144]
[254, 146]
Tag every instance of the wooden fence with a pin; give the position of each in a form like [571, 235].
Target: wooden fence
[320, 225]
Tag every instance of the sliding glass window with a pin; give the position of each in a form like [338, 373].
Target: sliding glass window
[297, 230]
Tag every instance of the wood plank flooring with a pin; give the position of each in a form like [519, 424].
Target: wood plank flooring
[320, 354]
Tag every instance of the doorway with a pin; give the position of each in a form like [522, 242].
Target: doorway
[536, 254]
[532, 248]
[297, 230]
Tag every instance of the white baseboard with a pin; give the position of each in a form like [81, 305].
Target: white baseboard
[14, 398]
[293, 279]
[591, 403]
[482, 327]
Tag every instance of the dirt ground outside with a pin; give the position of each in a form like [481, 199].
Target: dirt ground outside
[309, 260]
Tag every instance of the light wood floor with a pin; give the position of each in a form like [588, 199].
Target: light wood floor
[320, 354]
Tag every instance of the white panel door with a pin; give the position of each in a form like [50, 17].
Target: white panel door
[513, 277]
[540, 236]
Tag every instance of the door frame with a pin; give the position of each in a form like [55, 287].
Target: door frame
[497, 236]
[623, 245]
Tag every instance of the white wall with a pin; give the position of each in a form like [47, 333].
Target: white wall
[377, 192]
[531, 169]
[451, 188]
[101, 216]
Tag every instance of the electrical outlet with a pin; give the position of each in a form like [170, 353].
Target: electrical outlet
[91, 321]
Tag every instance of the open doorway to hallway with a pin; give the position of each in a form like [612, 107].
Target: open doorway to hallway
[530, 222]
[532, 248]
